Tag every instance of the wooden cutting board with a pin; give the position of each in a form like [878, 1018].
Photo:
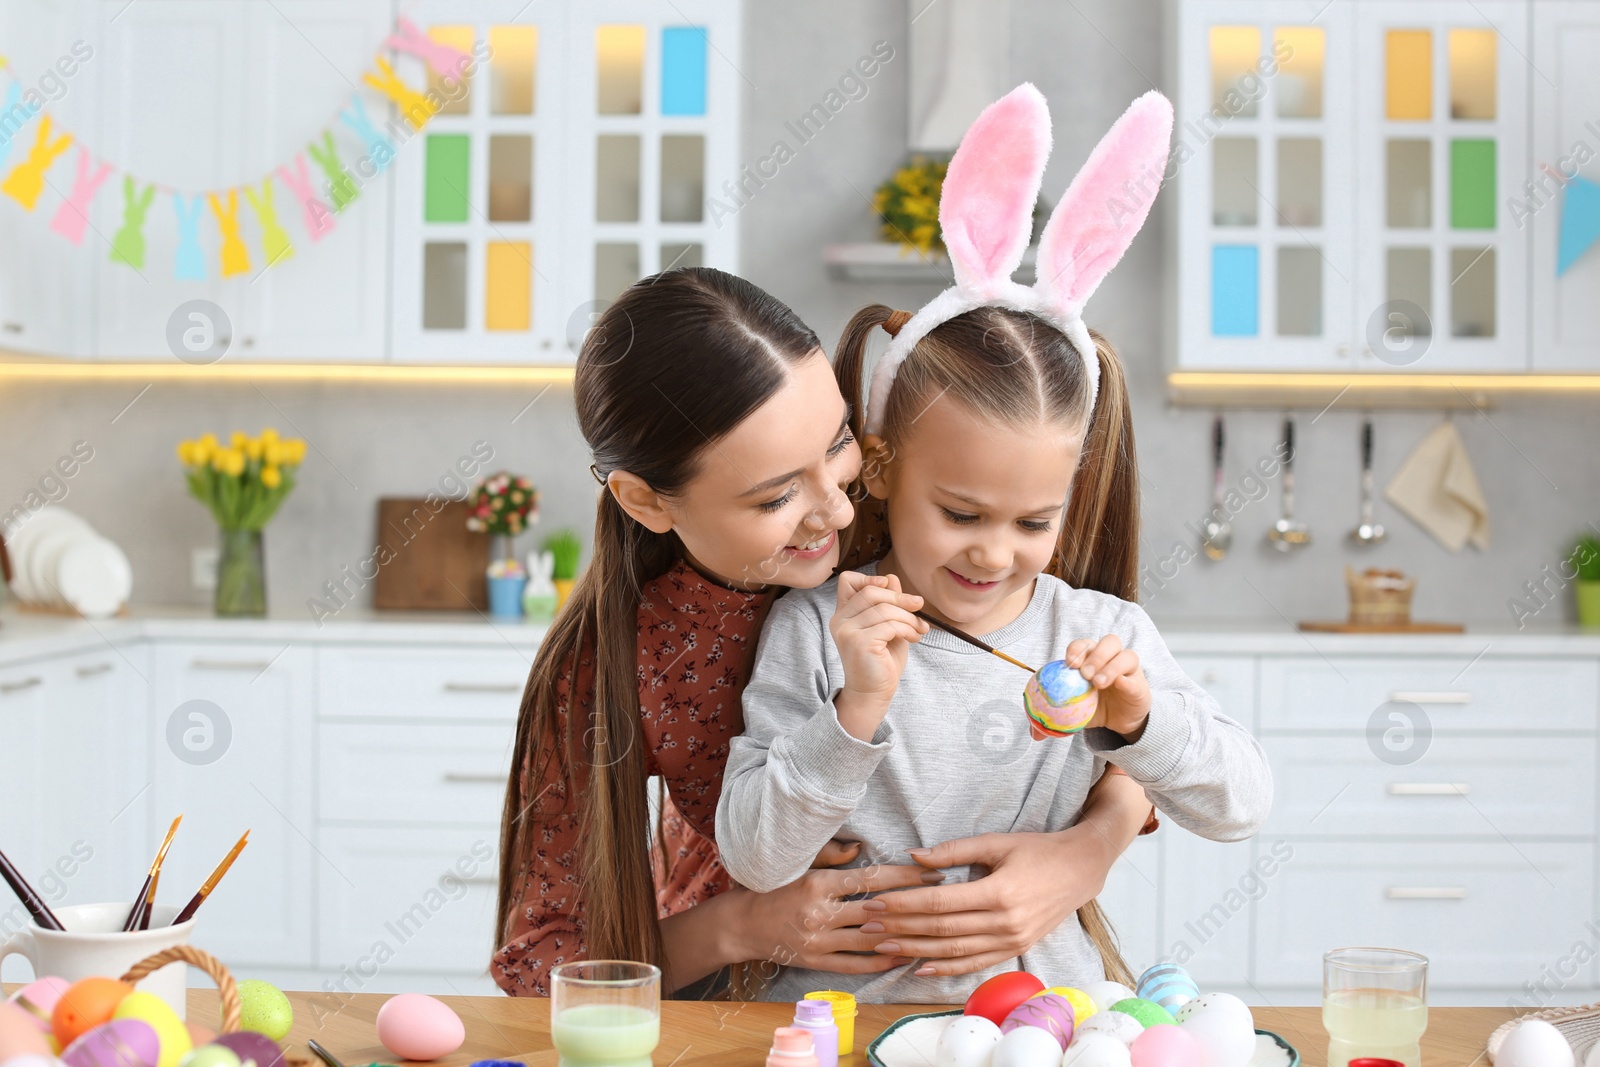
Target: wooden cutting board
[434, 562]
[1370, 628]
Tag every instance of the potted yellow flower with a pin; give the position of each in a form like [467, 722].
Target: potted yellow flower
[243, 483]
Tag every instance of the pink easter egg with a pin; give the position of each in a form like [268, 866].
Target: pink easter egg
[39, 998]
[415, 1026]
[118, 1043]
[249, 1045]
[21, 1034]
[1050, 1012]
[1164, 1045]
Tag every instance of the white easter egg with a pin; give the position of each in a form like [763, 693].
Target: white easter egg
[1224, 1040]
[1105, 994]
[1027, 1046]
[1097, 1050]
[1217, 1003]
[967, 1041]
[1534, 1043]
[1120, 1025]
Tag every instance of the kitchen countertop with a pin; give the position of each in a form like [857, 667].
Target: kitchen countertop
[27, 635]
[734, 1034]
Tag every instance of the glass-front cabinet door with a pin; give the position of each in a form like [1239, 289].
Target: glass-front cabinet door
[1266, 271]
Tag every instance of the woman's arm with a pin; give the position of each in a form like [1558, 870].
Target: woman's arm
[1035, 882]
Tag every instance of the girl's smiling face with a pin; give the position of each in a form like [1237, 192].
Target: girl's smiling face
[768, 501]
[975, 510]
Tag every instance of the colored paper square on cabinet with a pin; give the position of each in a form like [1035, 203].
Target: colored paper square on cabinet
[683, 70]
[1472, 184]
[1234, 287]
[1409, 74]
[446, 183]
[508, 286]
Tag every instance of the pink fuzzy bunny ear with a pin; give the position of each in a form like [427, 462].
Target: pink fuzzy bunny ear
[986, 205]
[1105, 205]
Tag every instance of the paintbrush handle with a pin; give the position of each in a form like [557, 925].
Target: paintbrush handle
[189, 909]
[962, 635]
[134, 912]
[35, 904]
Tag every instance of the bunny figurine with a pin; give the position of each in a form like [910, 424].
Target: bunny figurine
[539, 595]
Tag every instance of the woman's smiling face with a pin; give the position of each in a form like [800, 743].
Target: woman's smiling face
[769, 499]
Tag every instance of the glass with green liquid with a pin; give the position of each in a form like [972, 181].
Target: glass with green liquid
[1374, 1004]
[605, 1013]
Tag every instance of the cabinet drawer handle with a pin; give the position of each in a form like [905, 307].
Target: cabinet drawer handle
[465, 778]
[90, 672]
[1424, 892]
[483, 687]
[257, 665]
[1428, 789]
[1430, 696]
[21, 684]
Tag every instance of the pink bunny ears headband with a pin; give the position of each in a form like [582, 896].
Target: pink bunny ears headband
[986, 213]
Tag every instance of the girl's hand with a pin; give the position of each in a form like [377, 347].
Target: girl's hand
[1123, 691]
[873, 627]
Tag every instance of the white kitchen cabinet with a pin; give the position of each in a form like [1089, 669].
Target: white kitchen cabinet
[1565, 136]
[25, 814]
[1131, 900]
[415, 773]
[232, 746]
[1208, 906]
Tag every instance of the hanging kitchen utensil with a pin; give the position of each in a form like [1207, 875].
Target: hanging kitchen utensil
[1286, 534]
[1366, 532]
[1218, 532]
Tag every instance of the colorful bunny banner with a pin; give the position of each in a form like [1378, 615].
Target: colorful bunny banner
[338, 186]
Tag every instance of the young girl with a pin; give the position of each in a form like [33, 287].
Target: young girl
[719, 435]
[998, 436]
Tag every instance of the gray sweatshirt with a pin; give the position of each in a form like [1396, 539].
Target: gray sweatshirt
[953, 758]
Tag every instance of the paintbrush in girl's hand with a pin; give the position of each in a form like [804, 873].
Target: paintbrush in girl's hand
[42, 915]
[969, 639]
[211, 883]
[137, 911]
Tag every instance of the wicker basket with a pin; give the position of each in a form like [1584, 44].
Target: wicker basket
[227, 989]
[1379, 597]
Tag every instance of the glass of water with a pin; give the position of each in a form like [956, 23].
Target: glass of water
[1374, 1004]
[605, 1013]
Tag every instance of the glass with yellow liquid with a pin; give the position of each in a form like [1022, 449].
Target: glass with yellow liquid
[1374, 1003]
[605, 1013]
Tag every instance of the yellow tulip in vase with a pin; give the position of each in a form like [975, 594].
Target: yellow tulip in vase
[243, 483]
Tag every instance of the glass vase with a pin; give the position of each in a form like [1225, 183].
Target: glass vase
[241, 576]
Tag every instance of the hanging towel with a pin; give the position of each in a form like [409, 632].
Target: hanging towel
[1437, 489]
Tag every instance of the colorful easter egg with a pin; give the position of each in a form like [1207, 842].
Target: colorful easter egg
[1083, 1004]
[967, 1041]
[1112, 1023]
[1097, 1050]
[1051, 1013]
[995, 997]
[38, 998]
[1147, 1012]
[249, 1045]
[1105, 994]
[211, 1056]
[1216, 1003]
[1058, 699]
[117, 1043]
[1027, 1046]
[1164, 1045]
[20, 1034]
[415, 1026]
[264, 1009]
[170, 1031]
[1169, 985]
[84, 1004]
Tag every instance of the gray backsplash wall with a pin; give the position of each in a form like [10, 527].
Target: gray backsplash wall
[1539, 463]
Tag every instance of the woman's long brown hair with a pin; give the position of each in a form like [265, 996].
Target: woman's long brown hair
[1014, 367]
[670, 367]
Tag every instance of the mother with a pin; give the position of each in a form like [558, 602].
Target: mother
[723, 442]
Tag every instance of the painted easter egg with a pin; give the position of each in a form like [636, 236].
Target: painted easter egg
[1058, 699]
[1169, 985]
[1164, 1045]
[1083, 1004]
[995, 997]
[211, 1056]
[84, 1004]
[249, 1045]
[264, 1009]
[1147, 1012]
[38, 998]
[1097, 1050]
[170, 1031]
[1051, 1013]
[415, 1026]
[118, 1043]
[1112, 1023]
[967, 1041]
[1027, 1046]
[1105, 994]
[20, 1034]
[1216, 1003]
[1534, 1043]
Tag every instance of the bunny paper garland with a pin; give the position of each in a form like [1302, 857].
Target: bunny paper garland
[986, 215]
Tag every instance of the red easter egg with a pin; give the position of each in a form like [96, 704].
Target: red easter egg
[997, 996]
[84, 1005]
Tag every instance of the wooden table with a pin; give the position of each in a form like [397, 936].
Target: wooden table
[739, 1034]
